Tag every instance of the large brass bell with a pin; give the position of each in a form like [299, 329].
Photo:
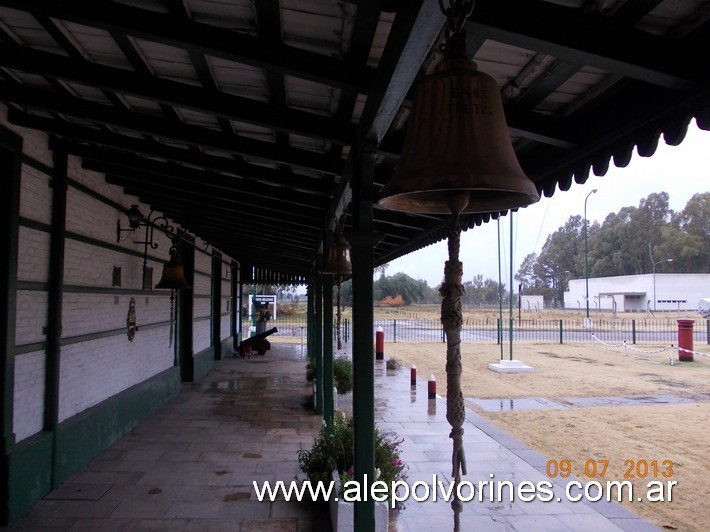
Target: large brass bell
[338, 260]
[173, 273]
[457, 154]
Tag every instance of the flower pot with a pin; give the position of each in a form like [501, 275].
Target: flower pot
[342, 513]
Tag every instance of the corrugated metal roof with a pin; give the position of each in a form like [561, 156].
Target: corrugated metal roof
[244, 114]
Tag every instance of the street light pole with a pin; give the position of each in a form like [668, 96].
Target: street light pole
[586, 255]
[654, 279]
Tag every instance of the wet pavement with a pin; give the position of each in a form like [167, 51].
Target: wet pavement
[190, 466]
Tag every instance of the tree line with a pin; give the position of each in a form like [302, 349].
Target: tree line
[386, 289]
[633, 241]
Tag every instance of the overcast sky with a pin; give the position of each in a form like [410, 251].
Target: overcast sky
[681, 171]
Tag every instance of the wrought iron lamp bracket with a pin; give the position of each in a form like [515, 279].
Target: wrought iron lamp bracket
[137, 220]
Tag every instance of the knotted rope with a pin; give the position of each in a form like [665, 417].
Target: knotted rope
[452, 319]
[337, 320]
[172, 317]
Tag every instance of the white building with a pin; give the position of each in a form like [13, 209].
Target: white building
[639, 293]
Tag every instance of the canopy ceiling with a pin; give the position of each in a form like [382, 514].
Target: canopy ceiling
[242, 120]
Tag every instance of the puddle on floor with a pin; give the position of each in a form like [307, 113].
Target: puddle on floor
[518, 403]
[629, 400]
[541, 403]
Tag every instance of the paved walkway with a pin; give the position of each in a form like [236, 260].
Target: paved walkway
[491, 454]
[190, 466]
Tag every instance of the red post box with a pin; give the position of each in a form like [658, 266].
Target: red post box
[685, 340]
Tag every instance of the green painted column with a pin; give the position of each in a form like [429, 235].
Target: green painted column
[328, 403]
[10, 167]
[362, 241]
[217, 304]
[318, 341]
[185, 313]
[310, 350]
[510, 291]
[54, 302]
[309, 323]
[363, 373]
[237, 317]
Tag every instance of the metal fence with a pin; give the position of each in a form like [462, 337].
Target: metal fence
[632, 331]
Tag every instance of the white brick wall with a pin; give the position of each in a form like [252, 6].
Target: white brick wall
[226, 287]
[35, 195]
[83, 313]
[31, 317]
[90, 217]
[202, 284]
[28, 399]
[201, 336]
[93, 371]
[33, 255]
[203, 261]
[97, 182]
[88, 265]
[224, 327]
[202, 307]
[34, 144]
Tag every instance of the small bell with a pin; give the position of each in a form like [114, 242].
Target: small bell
[173, 273]
[338, 260]
[457, 155]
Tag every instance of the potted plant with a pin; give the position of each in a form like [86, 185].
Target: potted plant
[332, 458]
[342, 374]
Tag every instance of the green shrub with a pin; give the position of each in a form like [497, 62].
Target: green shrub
[342, 374]
[335, 450]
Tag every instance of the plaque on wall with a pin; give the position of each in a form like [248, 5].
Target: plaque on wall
[131, 320]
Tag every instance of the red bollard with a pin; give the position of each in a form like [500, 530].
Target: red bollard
[432, 387]
[413, 375]
[380, 344]
[685, 340]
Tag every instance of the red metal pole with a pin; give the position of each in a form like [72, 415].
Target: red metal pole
[432, 387]
[380, 344]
